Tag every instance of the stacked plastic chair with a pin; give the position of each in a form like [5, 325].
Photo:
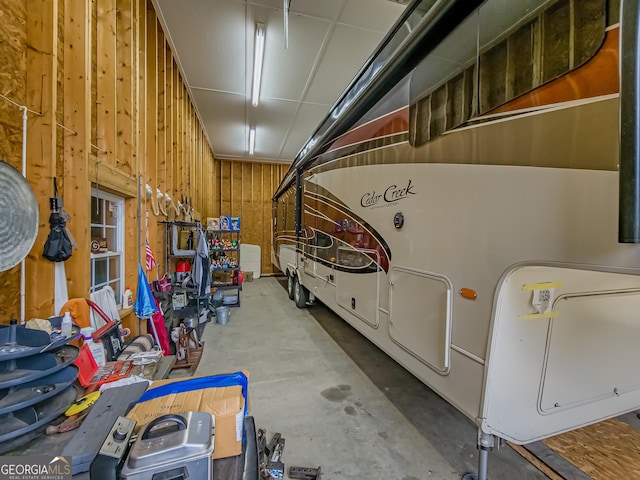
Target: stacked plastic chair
[36, 380]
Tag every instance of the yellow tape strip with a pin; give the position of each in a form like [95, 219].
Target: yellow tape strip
[536, 316]
[542, 286]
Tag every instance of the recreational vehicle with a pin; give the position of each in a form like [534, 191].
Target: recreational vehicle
[471, 205]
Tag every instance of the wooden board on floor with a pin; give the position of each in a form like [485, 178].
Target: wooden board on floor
[549, 462]
[536, 462]
[608, 450]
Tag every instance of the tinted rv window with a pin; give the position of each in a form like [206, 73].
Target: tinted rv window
[441, 94]
[541, 41]
[522, 44]
[290, 210]
[613, 12]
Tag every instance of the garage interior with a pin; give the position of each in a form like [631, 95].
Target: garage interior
[112, 118]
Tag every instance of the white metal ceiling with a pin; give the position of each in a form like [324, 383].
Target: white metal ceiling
[329, 40]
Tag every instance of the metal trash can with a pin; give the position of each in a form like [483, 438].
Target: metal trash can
[222, 315]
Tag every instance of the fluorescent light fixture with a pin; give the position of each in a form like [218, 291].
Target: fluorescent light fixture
[252, 140]
[258, 57]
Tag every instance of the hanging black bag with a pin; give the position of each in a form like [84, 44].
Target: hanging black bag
[58, 247]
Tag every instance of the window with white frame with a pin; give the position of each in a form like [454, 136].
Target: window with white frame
[107, 242]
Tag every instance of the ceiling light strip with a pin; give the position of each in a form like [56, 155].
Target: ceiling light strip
[258, 58]
[252, 140]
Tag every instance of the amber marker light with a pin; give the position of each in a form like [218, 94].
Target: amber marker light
[468, 293]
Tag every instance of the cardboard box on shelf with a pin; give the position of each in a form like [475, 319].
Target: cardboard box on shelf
[235, 224]
[226, 403]
[222, 276]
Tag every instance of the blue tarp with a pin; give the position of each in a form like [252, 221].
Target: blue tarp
[200, 383]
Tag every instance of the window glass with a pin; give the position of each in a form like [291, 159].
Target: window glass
[441, 87]
[493, 67]
[111, 234]
[613, 12]
[100, 266]
[521, 48]
[556, 38]
[504, 50]
[107, 235]
[590, 22]
[528, 43]
[96, 210]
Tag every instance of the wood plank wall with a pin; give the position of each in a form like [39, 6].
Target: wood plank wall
[108, 107]
[244, 189]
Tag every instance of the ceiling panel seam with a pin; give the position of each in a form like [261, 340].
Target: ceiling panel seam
[312, 73]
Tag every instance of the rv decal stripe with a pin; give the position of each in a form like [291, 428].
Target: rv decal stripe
[335, 213]
[362, 147]
[496, 141]
[352, 239]
[386, 125]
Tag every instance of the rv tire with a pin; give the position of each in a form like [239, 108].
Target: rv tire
[291, 284]
[301, 295]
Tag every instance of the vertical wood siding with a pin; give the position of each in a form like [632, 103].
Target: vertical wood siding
[112, 108]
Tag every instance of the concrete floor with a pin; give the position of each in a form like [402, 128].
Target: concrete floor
[339, 401]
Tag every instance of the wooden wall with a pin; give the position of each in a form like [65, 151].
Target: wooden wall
[108, 107]
[244, 189]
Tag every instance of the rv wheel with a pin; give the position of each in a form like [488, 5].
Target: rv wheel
[300, 294]
[291, 281]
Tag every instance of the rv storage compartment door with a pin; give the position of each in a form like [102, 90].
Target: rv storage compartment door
[592, 349]
[420, 315]
[568, 362]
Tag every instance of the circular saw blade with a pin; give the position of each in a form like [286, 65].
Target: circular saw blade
[18, 217]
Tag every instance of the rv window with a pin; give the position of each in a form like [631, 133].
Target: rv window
[521, 48]
[493, 67]
[613, 12]
[322, 239]
[550, 39]
[522, 45]
[556, 40]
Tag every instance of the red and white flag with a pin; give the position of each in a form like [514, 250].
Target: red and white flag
[150, 260]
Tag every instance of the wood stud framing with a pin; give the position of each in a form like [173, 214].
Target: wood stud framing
[41, 81]
[113, 107]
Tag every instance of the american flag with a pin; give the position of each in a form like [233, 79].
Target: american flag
[150, 260]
